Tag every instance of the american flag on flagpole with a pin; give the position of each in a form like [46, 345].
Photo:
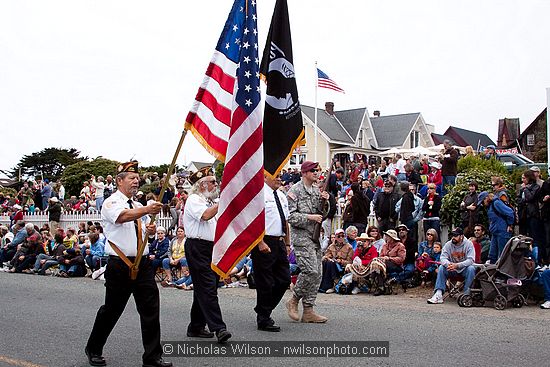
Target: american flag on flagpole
[228, 108]
[324, 81]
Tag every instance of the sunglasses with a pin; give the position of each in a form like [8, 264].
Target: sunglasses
[340, 236]
[429, 234]
[315, 170]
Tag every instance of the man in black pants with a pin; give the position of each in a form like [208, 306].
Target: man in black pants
[200, 225]
[125, 220]
[269, 258]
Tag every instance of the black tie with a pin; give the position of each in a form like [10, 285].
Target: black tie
[135, 221]
[280, 209]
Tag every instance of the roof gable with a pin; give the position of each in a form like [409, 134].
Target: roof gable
[392, 131]
[329, 124]
[465, 137]
[351, 120]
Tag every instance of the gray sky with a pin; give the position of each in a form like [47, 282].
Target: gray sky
[117, 78]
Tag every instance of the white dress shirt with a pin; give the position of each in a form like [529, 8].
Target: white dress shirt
[123, 235]
[195, 226]
[273, 225]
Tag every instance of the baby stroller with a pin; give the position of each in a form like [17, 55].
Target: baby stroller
[500, 282]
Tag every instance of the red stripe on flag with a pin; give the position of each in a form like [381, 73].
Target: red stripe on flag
[227, 82]
[233, 166]
[242, 243]
[221, 113]
[238, 203]
[213, 141]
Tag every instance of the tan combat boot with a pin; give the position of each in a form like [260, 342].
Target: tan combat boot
[292, 307]
[310, 316]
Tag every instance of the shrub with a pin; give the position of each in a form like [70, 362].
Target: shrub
[470, 169]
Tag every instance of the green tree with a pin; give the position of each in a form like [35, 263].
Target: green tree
[74, 175]
[49, 163]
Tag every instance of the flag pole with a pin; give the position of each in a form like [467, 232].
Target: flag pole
[170, 169]
[316, 88]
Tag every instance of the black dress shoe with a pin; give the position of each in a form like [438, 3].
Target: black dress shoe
[95, 359]
[200, 334]
[272, 328]
[157, 363]
[223, 336]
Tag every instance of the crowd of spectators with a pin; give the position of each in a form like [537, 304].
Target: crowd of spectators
[402, 196]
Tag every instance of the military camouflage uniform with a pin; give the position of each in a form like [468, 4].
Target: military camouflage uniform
[301, 202]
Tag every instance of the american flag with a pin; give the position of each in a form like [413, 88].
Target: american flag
[324, 81]
[227, 119]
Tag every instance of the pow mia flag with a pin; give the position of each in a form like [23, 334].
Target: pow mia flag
[283, 126]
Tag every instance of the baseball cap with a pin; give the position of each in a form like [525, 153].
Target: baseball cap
[535, 169]
[482, 195]
[457, 232]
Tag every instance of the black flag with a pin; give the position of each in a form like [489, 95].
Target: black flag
[283, 126]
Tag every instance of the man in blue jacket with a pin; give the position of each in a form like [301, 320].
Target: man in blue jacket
[501, 219]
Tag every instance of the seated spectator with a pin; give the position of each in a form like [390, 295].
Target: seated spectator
[175, 256]
[362, 258]
[457, 258]
[158, 249]
[334, 262]
[71, 263]
[70, 239]
[351, 235]
[425, 248]
[482, 242]
[378, 241]
[410, 256]
[185, 282]
[26, 255]
[331, 240]
[6, 237]
[545, 279]
[94, 252]
[22, 231]
[54, 250]
[393, 256]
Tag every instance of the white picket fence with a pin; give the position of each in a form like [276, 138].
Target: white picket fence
[72, 219]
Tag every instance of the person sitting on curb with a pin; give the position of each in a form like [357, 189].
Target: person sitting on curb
[335, 260]
[457, 258]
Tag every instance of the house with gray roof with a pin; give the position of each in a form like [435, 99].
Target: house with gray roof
[354, 133]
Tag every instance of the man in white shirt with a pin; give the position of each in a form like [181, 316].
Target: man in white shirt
[269, 258]
[200, 225]
[125, 220]
[99, 186]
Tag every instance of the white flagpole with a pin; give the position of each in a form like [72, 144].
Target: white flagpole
[548, 129]
[315, 139]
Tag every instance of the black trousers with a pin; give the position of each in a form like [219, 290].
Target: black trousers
[119, 287]
[205, 309]
[272, 276]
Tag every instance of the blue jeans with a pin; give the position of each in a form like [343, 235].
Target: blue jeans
[166, 263]
[99, 203]
[69, 270]
[545, 279]
[447, 180]
[442, 275]
[498, 241]
[184, 280]
[401, 177]
[93, 261]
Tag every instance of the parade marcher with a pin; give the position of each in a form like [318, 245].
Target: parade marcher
[304, 204]
[200, 225]
[125, 220]
[269, 258]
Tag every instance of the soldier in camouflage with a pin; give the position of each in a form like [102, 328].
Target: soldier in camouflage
[304, 204]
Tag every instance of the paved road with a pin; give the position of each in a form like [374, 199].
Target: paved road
[45, 321]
